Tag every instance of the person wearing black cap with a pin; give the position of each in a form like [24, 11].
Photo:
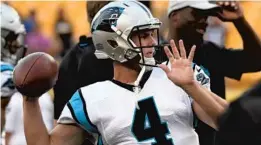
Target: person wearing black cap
[241, 123]
[188, 21]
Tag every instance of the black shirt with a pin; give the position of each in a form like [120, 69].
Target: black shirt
[79, 68]
[241, 123]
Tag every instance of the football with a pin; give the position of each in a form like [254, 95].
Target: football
[35, 74]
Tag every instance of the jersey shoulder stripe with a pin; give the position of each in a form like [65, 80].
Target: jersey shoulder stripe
[77, 107]
[6, 67]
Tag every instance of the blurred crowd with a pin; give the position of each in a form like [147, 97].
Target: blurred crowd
[64, 36]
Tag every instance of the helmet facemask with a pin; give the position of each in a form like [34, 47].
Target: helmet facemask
[13, 47]
[144, 40]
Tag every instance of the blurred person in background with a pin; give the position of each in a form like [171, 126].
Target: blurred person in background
[216, 31]
[14, 127]
[64, 32]
[37, 41]
[188, 21]
[30, 21]
[12, 49]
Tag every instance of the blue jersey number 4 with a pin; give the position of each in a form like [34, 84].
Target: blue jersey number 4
[148, 125]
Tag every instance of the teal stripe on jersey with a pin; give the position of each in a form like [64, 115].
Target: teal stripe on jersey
[78, 109]
[5, 67]
[100, 140]
[205, 70]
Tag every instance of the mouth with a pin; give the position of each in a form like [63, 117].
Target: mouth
[201, 27]
[201, 31]
[149, 54]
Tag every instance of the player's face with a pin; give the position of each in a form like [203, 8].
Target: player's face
[14, 48]
[146, 39]
[14, 42]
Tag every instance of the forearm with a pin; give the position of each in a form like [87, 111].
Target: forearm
[7, 137]
[207, 102]
[219, 100]
[34, 128]
[251, 42]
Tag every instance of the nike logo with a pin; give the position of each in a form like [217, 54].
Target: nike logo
[198, 69]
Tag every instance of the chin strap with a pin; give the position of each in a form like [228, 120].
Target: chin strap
[136, 87]
[148, 61]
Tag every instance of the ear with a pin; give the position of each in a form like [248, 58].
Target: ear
[173, 17]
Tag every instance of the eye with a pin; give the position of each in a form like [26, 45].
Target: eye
[144, 35]
[153, 34]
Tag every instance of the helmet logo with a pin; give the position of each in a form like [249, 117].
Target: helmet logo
[113, 18]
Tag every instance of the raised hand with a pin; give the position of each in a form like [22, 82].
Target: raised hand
[181, 72]
[231, 10]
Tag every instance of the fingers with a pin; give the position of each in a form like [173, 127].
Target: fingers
[226, 3]
[176, 54]
[182, 49]
[169, 54]
[232, 4]
[165, 68]
[174, 49]
[192, 52]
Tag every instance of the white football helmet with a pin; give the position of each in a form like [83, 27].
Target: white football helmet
[12, 35]
[113, 25]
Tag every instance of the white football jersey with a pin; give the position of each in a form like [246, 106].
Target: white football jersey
[163, 115]
[7, 85]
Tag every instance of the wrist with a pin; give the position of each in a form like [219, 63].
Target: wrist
[239, 20]
[190, 86]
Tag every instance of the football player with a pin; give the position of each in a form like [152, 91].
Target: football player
[12, 49]
[142, 104]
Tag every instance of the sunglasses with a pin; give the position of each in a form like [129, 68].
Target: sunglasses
[199, 14]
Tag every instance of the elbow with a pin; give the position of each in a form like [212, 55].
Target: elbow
[225, 106]
[216, 117]
[220, 115]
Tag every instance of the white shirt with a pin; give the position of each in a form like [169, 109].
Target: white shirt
[14, 117]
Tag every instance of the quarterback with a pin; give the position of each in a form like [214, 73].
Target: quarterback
[147, 102]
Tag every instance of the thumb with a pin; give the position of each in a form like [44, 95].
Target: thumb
[165, 68]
